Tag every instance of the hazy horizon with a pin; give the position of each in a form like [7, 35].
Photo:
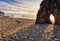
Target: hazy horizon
[20, 7]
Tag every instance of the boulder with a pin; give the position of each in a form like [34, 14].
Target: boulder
[48, 7]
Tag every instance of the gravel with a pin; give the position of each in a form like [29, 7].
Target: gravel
[36, 32]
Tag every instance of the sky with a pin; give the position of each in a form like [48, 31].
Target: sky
[20, 8]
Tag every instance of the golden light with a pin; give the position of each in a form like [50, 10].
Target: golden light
[52, 18]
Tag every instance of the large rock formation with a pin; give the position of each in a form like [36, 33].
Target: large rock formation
[48, 7]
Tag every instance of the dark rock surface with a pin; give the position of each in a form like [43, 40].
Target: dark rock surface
[48, 7]
[36, 33]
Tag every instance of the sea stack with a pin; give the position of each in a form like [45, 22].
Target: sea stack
[48, 7]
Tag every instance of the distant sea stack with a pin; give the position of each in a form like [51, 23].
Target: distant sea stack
[48, 7]
[1, 13]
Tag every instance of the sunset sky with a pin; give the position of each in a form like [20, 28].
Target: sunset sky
[20, 7]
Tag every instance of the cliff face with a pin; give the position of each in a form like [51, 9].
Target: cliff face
[48, 7]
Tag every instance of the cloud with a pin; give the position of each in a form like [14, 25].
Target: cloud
[20, 6]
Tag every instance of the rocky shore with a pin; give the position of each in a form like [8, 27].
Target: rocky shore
[9, 26]
[36, 32]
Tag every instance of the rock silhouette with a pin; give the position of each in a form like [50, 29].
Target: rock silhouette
[1, 13]
[48, 7]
